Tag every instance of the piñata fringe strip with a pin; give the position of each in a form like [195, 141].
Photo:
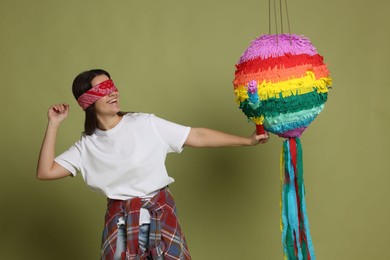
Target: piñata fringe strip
[286, 61]
[277, 106]
[267, 90]
[276, 75]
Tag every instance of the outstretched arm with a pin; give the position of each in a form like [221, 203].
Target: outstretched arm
[204, 137]
[47, 168]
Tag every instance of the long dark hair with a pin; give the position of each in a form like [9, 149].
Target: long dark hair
[81, 84]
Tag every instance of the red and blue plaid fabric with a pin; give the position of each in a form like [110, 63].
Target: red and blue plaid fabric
[165, 238]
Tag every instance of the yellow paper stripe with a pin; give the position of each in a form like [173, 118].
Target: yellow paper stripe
[281, 191]
[258, 120]
[299, 86]
[241, 94]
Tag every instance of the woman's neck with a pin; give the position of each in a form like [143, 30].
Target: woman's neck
[108, 122]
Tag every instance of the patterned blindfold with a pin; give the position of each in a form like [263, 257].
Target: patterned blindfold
[96, 92]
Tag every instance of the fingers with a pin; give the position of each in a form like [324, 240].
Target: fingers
[263, 138]
[60, 108]
[58, 112]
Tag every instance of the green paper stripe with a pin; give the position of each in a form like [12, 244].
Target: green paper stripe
[276, 106]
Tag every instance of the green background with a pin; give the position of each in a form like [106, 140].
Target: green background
[175, 58]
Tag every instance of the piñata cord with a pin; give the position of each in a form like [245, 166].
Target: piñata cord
[276, 19]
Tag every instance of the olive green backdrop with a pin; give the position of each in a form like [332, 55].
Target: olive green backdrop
[175, 58]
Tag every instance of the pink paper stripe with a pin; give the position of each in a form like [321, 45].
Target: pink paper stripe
[277, 45]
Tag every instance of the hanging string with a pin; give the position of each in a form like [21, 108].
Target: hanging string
[281, 15]
[276, 23]
[288, 22]
[276, 18]
[269, 16]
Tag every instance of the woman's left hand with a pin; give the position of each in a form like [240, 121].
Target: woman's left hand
[259, 139]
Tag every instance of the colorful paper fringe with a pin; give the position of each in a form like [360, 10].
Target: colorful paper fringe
[281, 83]
[292, 83]
[294, 221]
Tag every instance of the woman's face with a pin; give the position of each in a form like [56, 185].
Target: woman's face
[109, 104]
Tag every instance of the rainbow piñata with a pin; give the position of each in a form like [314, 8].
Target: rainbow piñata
[281, 83]
[292, 83]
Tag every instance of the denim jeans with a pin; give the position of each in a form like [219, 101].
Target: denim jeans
[143, 240]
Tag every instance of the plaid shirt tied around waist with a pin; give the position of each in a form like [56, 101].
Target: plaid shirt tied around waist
[165, 238]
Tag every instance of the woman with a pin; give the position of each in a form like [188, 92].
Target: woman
[122, 155]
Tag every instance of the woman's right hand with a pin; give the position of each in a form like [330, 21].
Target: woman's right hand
[58, 113]
[47, 168]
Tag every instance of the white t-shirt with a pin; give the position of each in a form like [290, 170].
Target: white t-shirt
[128, 160]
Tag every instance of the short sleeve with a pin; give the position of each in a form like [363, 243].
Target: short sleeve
[70, 159]
[172, 134]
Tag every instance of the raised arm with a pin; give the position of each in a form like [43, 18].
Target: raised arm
[204, 137]
[47, 168]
